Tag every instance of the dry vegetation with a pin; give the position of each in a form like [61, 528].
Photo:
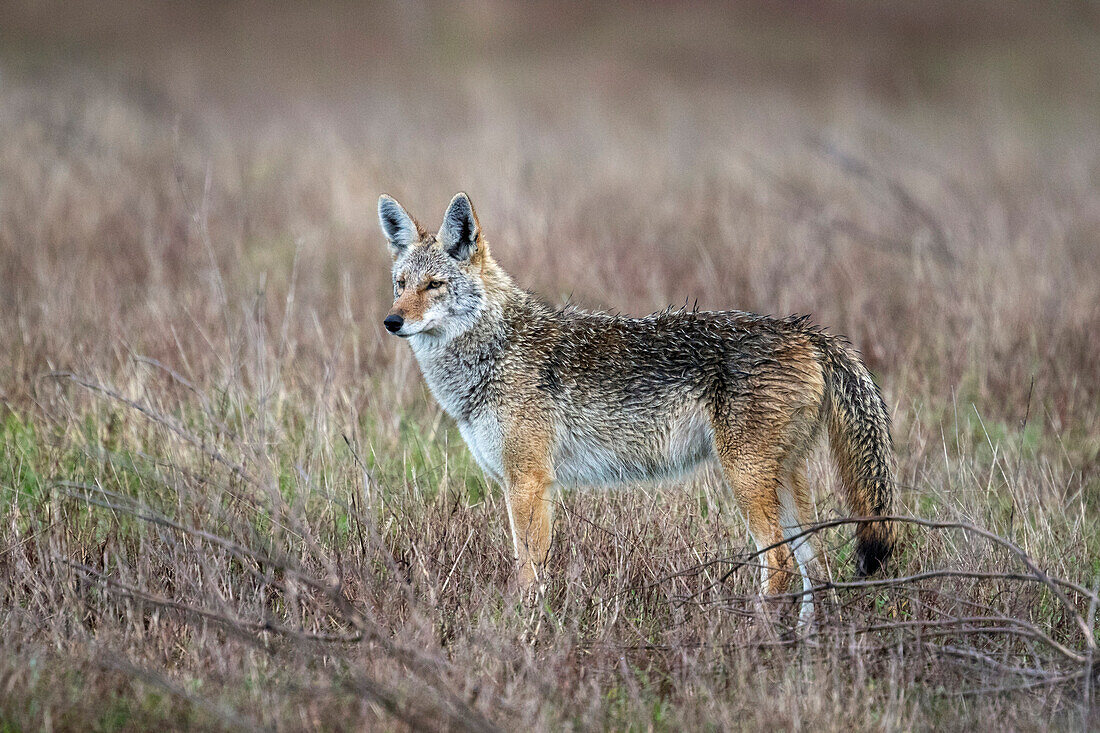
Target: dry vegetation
[227, 500]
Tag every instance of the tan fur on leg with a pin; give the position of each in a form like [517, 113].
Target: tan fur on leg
[754, 480]
[529, 480]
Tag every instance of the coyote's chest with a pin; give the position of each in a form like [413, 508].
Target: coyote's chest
[463, 386]
[485, 439]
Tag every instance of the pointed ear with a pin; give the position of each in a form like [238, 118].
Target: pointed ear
[399, 228]
[460, 234]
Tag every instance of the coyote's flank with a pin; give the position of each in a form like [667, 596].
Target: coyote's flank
[547, 397]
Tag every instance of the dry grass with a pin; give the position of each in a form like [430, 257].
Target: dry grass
[226, 500]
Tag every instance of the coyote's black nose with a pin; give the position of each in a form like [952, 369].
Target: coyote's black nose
[393, 323]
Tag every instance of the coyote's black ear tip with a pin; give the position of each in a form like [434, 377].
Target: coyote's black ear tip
[390, 212]
[461, 206]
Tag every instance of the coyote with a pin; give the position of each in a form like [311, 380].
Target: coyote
[547, 397]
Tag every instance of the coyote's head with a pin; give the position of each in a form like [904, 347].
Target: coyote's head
[438, 284]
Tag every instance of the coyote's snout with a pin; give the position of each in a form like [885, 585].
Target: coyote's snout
[546, 397]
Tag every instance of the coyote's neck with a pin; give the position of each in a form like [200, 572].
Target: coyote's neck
[459, 370]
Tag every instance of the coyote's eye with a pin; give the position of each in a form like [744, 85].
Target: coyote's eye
[401, 283]
[433, 284]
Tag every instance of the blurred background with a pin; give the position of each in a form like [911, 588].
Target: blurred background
[904, 171]
[192, 285]
[921, 176]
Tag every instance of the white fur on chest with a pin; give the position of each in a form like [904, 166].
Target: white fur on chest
[485, 439]
[446, 380]
[481, 430]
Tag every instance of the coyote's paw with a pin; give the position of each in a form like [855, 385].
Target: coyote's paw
[528, 581]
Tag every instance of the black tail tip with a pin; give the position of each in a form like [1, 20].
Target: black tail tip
[871, 555]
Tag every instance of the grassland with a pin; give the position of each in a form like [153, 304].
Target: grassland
[227, 500]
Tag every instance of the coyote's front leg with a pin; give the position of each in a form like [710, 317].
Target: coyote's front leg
[529, 515]
[528, 483]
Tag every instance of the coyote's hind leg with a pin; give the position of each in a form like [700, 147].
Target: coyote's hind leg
[753, 476]
[796, 514]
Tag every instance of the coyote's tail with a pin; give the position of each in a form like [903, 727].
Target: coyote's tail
[859, 434]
